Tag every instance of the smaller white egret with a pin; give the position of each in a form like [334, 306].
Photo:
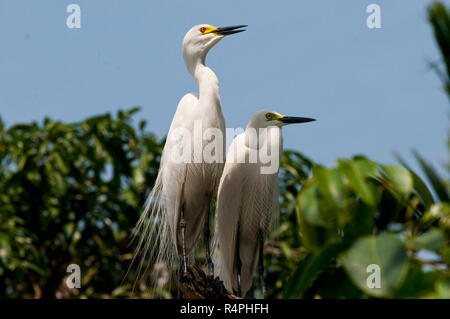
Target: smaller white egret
[247, 200]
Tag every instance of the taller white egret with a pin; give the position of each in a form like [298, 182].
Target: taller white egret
[178, 207]
[247, 199]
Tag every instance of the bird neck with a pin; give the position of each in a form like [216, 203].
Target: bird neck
[257, 138]
[207, 82]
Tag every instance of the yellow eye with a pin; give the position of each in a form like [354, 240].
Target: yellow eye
[202, 29]
[269, 116]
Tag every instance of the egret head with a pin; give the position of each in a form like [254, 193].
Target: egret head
[266, 118]
[201, 38]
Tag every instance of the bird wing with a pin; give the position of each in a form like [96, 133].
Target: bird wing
[201, 178]
[258, 209]
[183, 112]
[227, 214]
[156, 227]
[173, 175]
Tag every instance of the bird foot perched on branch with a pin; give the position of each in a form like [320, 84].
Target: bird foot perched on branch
[195, 284]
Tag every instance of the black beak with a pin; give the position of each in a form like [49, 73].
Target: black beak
[229, 30]
[293, 119]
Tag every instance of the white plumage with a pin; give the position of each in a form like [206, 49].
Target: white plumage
[186, 188]
[247, 199]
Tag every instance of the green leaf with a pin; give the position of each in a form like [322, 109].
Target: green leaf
[310, 268]
[438, 212]
[432, 240]
[439, 18]
[362, 220]
[419, 185]
[355, 174]
[422, 190]
[436, 181]
[399, 178]
[330, 185]
[418, 283]
[310, 207]
[366, 167]
[387, 252]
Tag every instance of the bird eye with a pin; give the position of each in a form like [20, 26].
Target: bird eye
[269, 116]
[202, 29]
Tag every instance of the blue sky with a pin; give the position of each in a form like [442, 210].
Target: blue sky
[370, 89]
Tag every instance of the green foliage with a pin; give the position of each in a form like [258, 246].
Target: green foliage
[439, 17]
[361, 213]
[309, 268]
[71, 193]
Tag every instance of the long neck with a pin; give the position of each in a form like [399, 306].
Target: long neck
[208, 84]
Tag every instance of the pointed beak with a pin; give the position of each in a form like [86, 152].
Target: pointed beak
[229, 30]
[294, 119]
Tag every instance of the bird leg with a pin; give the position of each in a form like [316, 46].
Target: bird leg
[183, 243]
[207, 235]
[261, 264]
[238, 265]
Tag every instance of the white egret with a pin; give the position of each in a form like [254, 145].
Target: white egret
[178, 208]
[247, 199]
